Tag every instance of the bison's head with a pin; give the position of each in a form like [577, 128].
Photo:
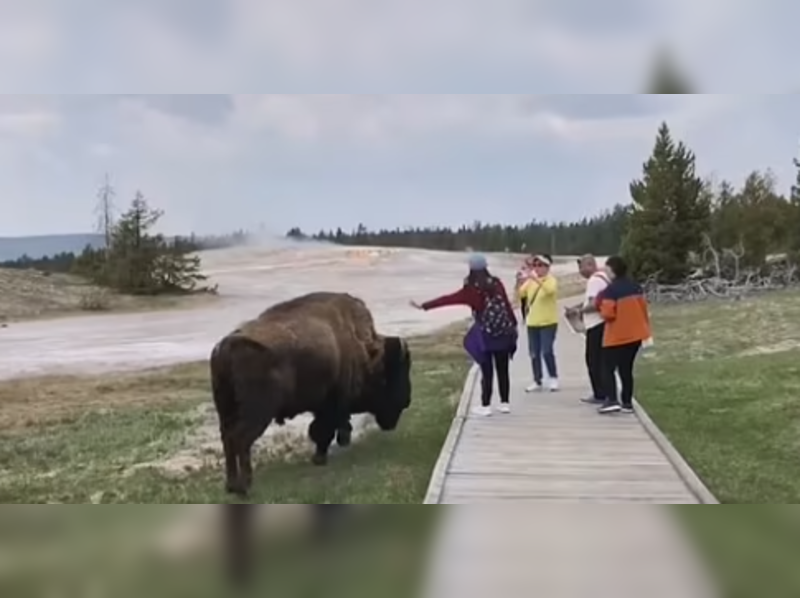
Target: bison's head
[395, 395]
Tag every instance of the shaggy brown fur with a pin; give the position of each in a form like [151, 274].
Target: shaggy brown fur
[359, 345]
[317, 353]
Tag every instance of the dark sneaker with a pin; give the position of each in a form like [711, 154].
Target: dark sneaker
[628, 409]
[609, 407]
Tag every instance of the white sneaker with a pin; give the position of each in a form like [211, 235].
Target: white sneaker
[482, 411]
[534, 388]
[505, 408]
[553, 385]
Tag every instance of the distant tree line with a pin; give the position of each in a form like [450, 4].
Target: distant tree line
[600, 234]
[60, 262]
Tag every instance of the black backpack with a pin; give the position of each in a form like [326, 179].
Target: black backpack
[495, 320]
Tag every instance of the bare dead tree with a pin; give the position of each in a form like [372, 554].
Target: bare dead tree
[105, 211]
[709, 252]
[720, 275]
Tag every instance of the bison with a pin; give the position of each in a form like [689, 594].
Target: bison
[319, 354]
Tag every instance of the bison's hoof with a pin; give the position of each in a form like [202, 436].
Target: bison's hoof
[236, 488]
[319, 459]
[344, 438]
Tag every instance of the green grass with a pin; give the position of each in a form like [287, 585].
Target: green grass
[79, 440]
[723, 383]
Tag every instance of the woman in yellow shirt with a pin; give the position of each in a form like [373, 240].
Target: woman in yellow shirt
[540, 294]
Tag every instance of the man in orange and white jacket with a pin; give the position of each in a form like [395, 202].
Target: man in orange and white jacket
[623, 307]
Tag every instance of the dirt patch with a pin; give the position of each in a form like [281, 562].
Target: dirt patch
[781, 347]
[32, 295]
[49, 400]
[202, 448]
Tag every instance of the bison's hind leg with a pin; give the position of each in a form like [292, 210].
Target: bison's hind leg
[259, 402]
[255, 416]
[226, 406]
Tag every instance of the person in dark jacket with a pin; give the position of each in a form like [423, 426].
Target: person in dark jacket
[624, 309]
[497, 326]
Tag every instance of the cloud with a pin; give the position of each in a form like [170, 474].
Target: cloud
[362, 45]
[28, 123]
[28, 43]
[446, 46]
[25, 118]
[383, 119]
[381, 149]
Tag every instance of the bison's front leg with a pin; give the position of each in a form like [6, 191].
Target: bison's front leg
[322, 432]
[344, 435]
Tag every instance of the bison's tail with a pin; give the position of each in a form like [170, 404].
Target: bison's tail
[222, 383]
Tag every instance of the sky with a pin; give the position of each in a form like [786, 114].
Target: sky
[386, 112]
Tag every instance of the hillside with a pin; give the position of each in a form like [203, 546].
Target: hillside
[12, 248]
[30, 294]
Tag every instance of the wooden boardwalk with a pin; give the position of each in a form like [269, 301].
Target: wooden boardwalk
[550, 452]
[554, 448]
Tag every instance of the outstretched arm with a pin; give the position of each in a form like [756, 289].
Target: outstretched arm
[465, 296]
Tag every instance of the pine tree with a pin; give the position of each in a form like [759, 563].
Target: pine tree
[726, 225]
[145, 263]
[134, 249]
[671, 211]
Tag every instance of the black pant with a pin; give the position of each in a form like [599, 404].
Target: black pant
[496, 360]
[620, 360]
[594, 361]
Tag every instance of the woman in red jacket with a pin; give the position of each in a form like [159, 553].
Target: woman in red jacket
[496, 328]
